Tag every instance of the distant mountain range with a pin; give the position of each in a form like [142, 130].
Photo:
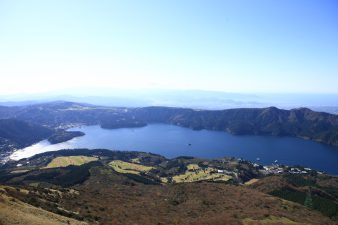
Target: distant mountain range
[301, 122]
[197, 99]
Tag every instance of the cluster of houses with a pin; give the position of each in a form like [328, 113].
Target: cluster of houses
[281, 169]
[293, 170]
[274, 168]
[226, 172]
[278, 169]
[6, 148]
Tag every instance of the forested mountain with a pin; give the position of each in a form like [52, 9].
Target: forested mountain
[301, 122]
[22, 133]
[16, 134]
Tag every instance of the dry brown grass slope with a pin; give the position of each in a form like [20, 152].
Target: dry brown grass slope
[14, 211]
[114, 199]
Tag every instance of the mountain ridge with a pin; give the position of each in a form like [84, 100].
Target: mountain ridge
[300, 122]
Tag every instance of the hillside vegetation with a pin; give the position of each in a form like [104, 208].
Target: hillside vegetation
[126, 167]
[302, 122]
[22, 133]
[13, 211]
[64, 161]
[195, 173]
[143, 188]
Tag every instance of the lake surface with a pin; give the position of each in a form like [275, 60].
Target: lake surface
[172, 141]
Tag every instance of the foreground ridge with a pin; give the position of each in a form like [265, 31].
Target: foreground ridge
[113, 187]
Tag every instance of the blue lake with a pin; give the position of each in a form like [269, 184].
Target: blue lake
[172, 141]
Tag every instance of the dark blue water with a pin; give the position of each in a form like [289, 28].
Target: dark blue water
[172, 141]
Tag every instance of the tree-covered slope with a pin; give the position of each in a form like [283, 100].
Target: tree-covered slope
[305, 123]
[302, 122]
[22, 133]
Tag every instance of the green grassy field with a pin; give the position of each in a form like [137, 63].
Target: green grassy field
[195, 173]
[126, 167]
[64, 161]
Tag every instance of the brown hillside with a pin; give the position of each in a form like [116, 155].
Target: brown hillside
[14, 211]
[111, 198]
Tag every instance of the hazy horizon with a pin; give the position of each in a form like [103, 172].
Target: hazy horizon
[178, 98]
[226, 46]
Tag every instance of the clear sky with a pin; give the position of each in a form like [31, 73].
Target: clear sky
[233, 46]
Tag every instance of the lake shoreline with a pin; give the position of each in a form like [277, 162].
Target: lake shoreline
[173, 141]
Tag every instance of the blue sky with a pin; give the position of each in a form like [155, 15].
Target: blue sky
[232, 46]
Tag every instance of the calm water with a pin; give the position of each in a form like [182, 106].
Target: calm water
[172, 141]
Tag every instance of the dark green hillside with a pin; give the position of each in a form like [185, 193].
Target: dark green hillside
[22, 133]
[315, 191]
[302, 122]
[62, 136]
